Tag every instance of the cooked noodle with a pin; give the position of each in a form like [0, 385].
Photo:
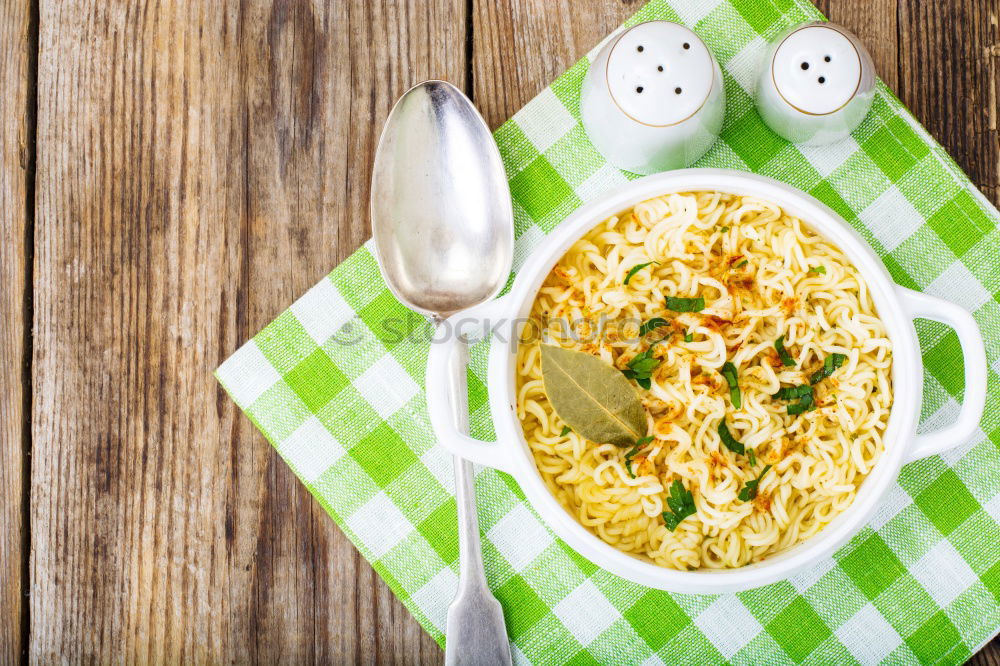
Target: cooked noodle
[762, 274]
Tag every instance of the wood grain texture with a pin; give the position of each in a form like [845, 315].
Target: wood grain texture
[199, 166]
[949, 74]
[320, 80]
[520, 46]
[16, 166]
[876, 23]
[139, 202]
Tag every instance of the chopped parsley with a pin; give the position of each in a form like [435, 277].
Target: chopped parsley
[641, 367]
[741, 264]
[804, 395]
[753, 457]
[786, 358]
[635, 269]
[685, 304]
[688, 337]
[727, 438]
[819, 270]
[631, 453]
[805, 404]
[793, 392]
[749, 491]
[724, 229]
[652, 325]
[565, 431]
[729, 372]
[681, 504]
[830, 363]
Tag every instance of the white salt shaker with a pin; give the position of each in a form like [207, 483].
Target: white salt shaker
[815, 84]
[653, 98]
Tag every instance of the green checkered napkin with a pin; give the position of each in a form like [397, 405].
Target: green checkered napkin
[335, 384]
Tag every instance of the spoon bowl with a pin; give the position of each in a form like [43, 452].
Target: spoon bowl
[440, 205]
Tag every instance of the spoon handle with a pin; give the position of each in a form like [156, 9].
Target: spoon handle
[476, 633]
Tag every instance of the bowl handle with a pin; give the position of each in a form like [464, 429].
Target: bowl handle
[447, 388]
[974, 357]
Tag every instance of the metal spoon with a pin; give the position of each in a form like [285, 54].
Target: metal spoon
[444, 234]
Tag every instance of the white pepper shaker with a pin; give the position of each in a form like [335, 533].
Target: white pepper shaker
[815, 84]
[653, 99]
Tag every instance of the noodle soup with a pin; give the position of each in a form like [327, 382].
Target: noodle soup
[760, 364]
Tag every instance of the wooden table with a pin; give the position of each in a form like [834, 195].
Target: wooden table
[174, 174]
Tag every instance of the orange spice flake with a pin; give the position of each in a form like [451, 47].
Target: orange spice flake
[711, 380]
[717, 460]
[655, 405]
[772, 358]
[736, 283]
[663, 425]
[714, 323]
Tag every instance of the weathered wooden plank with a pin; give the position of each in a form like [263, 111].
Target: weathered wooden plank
[949, 77]
[875, 23]
[16, 166]
[520, 46]
[200, 165]
[320, 80]
[139, 222]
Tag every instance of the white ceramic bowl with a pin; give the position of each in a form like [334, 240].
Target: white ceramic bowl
[897, 308]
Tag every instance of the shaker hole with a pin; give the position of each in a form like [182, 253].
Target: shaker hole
[805, 65]
[822, 79]
[660, 68]
[677, 91]
[639, 48]
[686, 46]
[639, 89]
[827, 58]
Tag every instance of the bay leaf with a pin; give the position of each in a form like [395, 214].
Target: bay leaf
[592, 397]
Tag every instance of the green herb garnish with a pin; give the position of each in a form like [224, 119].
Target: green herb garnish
[652, 325]
[749, 491]
[635, 269]
[752, 457]
[804, 395]
[786, 358]
[689, 337]
[724, 229]
[685, 304]
[628, 460]
[792, 392]
[681, 504]
[641, 367]
[729, 372]
[741, 264]
[727, 438]
[565, 431]
[805, 404]
[819, 270]
[631, 453]
[830, 363]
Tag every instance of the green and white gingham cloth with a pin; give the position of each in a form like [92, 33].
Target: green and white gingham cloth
[335, 383]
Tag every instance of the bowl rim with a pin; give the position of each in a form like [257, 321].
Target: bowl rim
[907, 377]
